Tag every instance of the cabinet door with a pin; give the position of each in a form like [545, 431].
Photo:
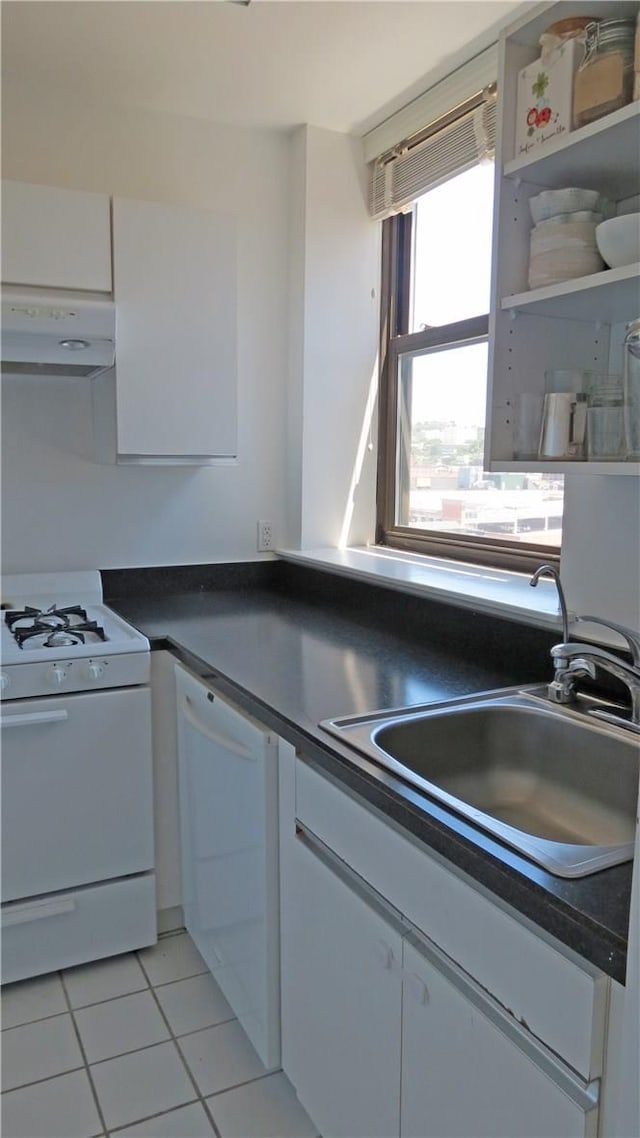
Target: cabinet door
[343, 995]
[175, 291]
[55, 238]
[464, 1074]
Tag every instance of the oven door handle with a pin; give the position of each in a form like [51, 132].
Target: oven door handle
[31, 718]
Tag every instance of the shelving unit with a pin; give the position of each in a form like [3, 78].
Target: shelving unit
[610, 141]
[607, 297]
[576, 323]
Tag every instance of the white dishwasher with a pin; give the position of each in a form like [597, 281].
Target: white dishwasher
[228, 786]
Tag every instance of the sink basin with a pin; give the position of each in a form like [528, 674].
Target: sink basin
[554, 784]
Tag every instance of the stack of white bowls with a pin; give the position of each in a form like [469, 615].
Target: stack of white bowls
[563, 243]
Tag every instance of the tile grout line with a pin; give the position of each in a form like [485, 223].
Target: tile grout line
[123, 1054]
[84, 1056]
[197, 1031]
[108, 999]
[200, 1096]
[47, 1078]
[179, 1051]
[28, 1022]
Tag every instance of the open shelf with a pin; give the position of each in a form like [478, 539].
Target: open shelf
[599, 156]
[578, 323]
[610, 296]
[533, 466]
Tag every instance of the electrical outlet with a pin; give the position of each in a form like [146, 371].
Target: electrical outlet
[265, 536]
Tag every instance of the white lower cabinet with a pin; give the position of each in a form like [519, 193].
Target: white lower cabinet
[465, 1071]
[344, 967]
[385, 1034]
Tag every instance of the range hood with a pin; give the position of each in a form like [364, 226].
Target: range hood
[57, 333]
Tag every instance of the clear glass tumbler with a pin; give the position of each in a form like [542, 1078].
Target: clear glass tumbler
[631, 384]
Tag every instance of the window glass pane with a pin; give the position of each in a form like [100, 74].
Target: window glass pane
[441, 482]
[452, 250]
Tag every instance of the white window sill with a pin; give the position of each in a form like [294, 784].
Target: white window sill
[493, 591]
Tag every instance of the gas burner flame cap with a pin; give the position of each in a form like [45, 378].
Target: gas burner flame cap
[61, 640]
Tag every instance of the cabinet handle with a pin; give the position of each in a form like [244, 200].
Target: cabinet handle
[33, 718]
[214, 736]
[386, 957]
[416, 987]
[37, 911]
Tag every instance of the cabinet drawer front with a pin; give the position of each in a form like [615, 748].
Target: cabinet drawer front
[559, 999]
[47, 933]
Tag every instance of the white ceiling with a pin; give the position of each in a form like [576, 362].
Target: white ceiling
[343, 65]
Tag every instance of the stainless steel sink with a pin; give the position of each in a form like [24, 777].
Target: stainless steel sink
[553, 783]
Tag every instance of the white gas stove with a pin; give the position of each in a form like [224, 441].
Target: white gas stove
[78, 878]
[57, 635]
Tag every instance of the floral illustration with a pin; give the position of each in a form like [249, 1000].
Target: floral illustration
[540, 114]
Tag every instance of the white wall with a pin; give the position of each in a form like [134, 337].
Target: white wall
[295, 402]
[600, 561]
[334, 376]
[59, 509]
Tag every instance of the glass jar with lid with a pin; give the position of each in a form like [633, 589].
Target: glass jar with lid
[631, 386]
[604, 79]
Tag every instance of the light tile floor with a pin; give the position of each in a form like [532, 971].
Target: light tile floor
[138, 1046]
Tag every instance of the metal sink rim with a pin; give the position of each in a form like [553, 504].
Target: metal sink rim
[559, 858]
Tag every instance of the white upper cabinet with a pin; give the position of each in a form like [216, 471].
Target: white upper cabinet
[573, 324]
[176, 344]
[172, 396]
[55, 238]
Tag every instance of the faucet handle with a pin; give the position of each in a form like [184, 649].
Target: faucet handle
[632, 638]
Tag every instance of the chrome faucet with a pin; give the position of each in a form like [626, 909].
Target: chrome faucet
[574, 660]
[551, 571]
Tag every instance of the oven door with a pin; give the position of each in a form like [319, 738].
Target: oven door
[77, 803]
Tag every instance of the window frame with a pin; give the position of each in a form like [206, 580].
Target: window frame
[395, 340]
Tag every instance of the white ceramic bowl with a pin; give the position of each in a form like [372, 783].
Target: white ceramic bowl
[550, 203]
[618, 240]
[580, 215]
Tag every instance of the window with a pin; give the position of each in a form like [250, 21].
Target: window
[434, 494]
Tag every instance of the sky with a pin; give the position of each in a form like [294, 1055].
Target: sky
[452, 282]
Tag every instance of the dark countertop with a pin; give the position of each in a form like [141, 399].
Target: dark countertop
[293, 646]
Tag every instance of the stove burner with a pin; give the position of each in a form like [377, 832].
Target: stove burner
[57, 624]
[63, 639]
[53, 617]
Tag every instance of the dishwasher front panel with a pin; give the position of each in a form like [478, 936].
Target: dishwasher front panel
[228, 784]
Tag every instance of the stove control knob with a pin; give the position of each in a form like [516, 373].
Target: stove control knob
[57, 676]
[4, 681]
[95, 670]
